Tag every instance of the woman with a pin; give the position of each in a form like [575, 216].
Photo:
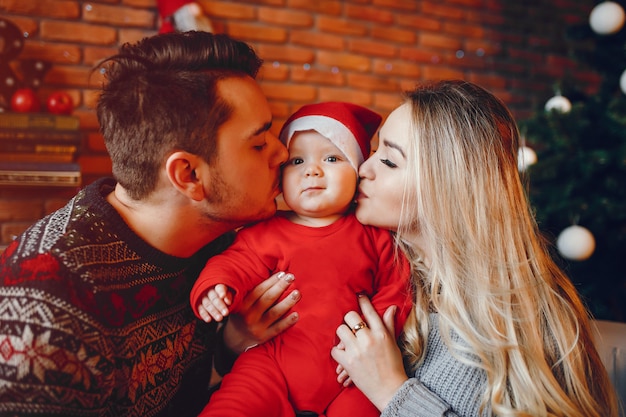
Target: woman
[497, 328]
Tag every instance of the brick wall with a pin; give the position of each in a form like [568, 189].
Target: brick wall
[364, 51]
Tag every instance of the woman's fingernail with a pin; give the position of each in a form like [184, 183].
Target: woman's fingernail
[280, 275]
[295, 295]
[288, 277]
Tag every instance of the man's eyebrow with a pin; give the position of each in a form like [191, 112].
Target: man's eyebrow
[263, 128]
[394, 146]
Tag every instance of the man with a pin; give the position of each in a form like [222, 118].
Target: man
[94, 311]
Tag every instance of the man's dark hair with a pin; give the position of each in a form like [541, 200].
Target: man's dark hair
[160, 95]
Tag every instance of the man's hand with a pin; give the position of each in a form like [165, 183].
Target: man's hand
[260, 319]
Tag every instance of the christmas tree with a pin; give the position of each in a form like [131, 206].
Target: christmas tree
[580, 174]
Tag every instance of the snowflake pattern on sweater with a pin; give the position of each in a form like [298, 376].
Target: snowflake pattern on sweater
[96, 322]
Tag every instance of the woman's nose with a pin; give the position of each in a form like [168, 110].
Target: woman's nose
[365, 170]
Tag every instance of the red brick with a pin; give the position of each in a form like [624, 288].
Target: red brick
[285, 17]
[340, 26]
[63, 53]
[251, 31]
[344, 61]
[491, 81]
[29, 27]
[369, 13]
[228, 9]
[366, 82]
[419, 55]
[318, 40]
[295, 92]
[284, 53]
[321, 7]
[317, 76]
[117, 15]
[432, 72]
[394, 35]
[134, 35]
[483, 48]
[418, 22]
[463, 30]
[400, 5]
[345, 94]
[273, 71]
[77, 32]
[58, 8]
[387, 101]
[397, 68]
[94, 54]
[72, 76]
[372, 48]
[442, 10]
[436, 40]
[145, 4]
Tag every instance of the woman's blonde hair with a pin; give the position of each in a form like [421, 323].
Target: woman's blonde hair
[490, 275]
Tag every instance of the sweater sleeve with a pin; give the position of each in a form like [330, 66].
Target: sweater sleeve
[414, 399]
[442, 385]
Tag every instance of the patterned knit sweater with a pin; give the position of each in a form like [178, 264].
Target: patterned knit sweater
[96, 322]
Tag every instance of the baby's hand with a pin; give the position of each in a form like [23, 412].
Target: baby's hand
[214, 306]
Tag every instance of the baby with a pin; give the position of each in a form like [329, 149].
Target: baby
[334, 258]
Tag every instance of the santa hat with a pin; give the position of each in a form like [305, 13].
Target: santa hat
[348, 126]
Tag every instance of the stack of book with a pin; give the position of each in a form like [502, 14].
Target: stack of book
[39, 149]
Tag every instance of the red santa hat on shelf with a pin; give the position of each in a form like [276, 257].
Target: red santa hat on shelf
[181, 16]
[348, 126]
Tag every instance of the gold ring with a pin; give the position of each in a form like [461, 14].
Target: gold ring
[359, 326]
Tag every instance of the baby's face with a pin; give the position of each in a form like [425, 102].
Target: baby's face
[318, 179]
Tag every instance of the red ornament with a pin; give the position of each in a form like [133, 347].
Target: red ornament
[60, 103]
[24, 100]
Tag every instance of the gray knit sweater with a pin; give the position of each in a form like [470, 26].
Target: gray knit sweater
[442, 385]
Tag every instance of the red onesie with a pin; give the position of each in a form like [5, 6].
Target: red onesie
[332, 265]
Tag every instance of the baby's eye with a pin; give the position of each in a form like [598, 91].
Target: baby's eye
[297, 161]
[332, 159]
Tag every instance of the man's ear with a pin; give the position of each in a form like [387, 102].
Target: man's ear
[182, 169]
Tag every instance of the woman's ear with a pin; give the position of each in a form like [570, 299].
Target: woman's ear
[182, 170]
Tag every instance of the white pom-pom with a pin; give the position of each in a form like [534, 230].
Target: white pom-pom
[191, 17]
[606, 18]
[559, 103]
[525, 157]
[622, 82]
[576, 243]
[194, 9]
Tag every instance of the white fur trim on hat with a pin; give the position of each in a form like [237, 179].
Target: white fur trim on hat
[330, 128]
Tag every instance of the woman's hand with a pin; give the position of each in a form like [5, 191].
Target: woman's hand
[260, 319]
[370, 355]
